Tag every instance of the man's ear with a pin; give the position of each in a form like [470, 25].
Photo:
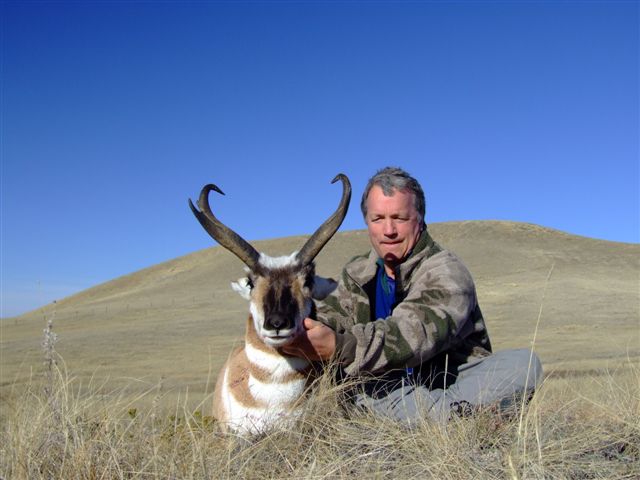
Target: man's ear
[243, 287]
[322, 287]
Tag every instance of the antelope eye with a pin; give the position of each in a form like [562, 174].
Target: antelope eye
[308, 282]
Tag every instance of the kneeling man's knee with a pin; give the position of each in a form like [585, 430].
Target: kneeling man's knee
[527, 365]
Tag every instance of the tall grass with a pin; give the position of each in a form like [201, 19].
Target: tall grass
[574, 428]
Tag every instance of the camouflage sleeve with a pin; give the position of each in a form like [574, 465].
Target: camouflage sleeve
[340, 311]
[433, 315]
[332, 311]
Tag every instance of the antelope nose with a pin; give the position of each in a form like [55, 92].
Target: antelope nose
[276, 321]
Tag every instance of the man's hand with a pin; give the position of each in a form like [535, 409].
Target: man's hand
[317, 342]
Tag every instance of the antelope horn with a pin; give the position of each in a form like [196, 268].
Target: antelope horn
[323, 234]
[221, 233]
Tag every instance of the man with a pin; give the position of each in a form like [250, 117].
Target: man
[405, 319]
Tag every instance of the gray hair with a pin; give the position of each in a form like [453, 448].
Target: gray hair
[391, 180]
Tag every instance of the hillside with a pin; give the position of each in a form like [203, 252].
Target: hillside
[177, 321]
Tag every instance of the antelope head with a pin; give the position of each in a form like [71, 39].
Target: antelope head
[280, 289]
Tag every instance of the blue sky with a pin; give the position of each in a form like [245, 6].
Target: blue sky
[114, 113]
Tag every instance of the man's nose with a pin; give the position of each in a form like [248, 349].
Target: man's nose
[389, 228]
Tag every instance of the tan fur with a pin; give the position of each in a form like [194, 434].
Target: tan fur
[218, 404]
[297, 292]
[259, 290]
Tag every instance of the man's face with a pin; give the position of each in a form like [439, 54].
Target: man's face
[393, 223]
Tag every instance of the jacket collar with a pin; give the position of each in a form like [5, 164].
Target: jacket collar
[365, 269]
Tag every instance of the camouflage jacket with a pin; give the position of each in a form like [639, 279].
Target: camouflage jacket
[436, 324]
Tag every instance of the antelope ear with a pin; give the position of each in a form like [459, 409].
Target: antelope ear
[242, 287]
[322, 287]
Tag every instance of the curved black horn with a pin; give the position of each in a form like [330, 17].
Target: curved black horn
[323, 234]
[221, 233]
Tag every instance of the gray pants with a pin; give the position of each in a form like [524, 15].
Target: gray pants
[499, 380]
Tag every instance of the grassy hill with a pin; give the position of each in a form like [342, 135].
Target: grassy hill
[179, 319]
[143, 342]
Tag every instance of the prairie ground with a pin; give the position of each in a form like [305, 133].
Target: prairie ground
[129, 393]
[574, 428]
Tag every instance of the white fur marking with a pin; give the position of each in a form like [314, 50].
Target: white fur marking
[277, 365]
[276, 393]
[246, 420]
[241, 286]
[278, 262]
[226, 395]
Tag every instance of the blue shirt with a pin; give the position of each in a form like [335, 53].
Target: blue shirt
[385, 292]
[386, 297]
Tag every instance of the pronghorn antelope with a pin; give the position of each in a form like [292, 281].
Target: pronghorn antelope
[259, 384]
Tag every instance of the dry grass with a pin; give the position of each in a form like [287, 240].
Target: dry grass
[574, 428]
